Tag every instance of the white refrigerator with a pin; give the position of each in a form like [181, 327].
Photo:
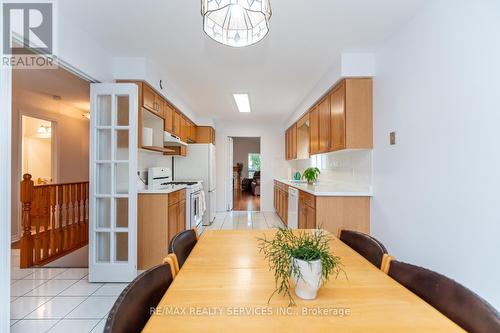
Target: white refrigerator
[199, 164]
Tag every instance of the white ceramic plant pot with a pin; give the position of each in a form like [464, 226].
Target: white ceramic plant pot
[309, 281]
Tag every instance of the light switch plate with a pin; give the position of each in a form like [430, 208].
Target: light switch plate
[392, 138]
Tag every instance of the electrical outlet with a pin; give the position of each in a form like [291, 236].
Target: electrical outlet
[392, 138]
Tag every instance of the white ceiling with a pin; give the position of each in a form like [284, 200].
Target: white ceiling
[36, 88]
[305, 39]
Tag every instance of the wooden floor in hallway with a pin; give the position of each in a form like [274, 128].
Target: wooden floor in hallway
[245, 201]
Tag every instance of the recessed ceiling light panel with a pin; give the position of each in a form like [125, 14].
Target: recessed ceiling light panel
[243, 102]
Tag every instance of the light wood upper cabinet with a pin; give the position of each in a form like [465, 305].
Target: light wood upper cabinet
[324, 125]
[351, 115]
[157, 113]
[341, 120]
[359, 113]
[303, 137]
[184, 129]
[314, 131]
[287, 145]
[176, 128]
[151, 100]
[192, 133]
[168, 115]
[291, 142]
[148, 98]
[205, 134]
[337, 118]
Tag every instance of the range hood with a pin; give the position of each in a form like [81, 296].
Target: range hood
[171, 140]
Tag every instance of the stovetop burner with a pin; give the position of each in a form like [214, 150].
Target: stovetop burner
[180, 183]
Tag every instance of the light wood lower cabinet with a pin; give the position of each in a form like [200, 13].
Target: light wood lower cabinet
[159, 218]
[329, 213]
[351, 213]
[281, 201]
[307, 211]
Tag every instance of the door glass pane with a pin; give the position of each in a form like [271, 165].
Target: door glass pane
[122, 109]
[121, 178]
[104, 144]
[104, 110]
[122, 145]
[103, 212]
[103, 247]
[104, 178]
[122, 212]
[121, 246]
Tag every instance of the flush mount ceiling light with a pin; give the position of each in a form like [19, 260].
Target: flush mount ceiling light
[243, 102]
[236, 23]
[44, 131]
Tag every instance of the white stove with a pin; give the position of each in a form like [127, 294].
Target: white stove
[195, 204]
[160, 178]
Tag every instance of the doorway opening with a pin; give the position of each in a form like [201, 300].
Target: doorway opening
[246, 173]
[37, 149]
[49, 168]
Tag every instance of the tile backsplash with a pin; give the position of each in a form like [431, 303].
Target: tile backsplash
[350, 166]
[148, 159]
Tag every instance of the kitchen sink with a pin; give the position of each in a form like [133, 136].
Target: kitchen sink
[298, 181]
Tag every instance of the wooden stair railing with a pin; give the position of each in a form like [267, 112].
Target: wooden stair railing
[54, 220]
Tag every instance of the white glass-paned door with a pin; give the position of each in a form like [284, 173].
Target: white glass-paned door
[113, 172]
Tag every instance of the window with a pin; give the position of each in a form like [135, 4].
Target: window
[253, 164]
[319, 161]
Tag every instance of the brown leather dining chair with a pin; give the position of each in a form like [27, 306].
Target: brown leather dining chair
[364, 244]
[467, 309]
[182, 244]
[132, 309]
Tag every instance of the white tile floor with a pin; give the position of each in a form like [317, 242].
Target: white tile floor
[58, 300]
[62, 299]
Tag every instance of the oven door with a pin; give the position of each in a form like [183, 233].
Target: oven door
[196, 210]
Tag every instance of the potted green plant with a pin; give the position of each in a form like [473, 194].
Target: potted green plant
[311, 175]
[303, 257]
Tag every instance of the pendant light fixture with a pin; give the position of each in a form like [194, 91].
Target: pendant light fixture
[236, 23]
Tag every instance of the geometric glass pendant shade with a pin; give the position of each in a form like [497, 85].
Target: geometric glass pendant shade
[236, 23]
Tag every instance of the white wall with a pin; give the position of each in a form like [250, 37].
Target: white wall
[436, 198]
[79, 50]
[5, 195]
[241, 148]
[272, 156]
[138, 68]
[346, 65]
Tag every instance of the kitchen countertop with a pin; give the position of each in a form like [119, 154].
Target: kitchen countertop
[162, 191]
[331, 189]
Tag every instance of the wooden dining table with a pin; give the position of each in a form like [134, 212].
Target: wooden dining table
[225, 284]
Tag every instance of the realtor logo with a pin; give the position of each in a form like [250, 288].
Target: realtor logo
[28, 34]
